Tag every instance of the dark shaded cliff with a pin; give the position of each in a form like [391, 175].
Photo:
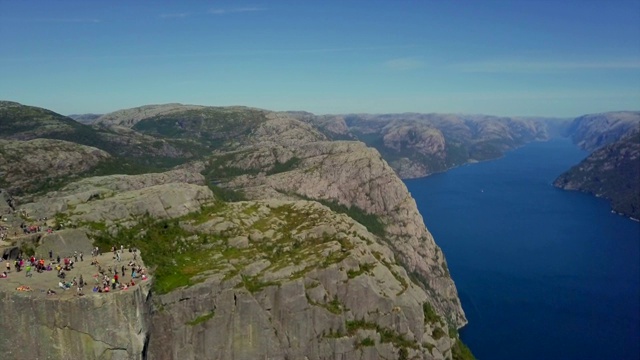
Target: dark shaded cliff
[612, 171]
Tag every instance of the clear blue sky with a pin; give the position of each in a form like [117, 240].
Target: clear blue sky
[507, 57]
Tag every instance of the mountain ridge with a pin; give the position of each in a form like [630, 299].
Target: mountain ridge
[284, 167]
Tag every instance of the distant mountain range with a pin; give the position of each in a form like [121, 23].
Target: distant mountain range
[417, 145]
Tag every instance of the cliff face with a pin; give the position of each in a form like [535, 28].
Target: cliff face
[296, 281]
[91, 327]
[349, 174]
[327, 259]
[612, 171]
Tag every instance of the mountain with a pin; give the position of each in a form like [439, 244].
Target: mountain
[596, 130]
[270, 241]
[417, 145]
[128, 151]
[612, 171]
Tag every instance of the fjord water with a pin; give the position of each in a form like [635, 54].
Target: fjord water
[542, 273]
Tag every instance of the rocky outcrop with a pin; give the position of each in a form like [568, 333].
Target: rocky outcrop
[351, 174]
[121, 197]
[611, 172]
[294, 280]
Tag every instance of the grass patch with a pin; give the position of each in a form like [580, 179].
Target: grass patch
[437, 333]
[200, 319]
[430, 315]
[366, 342]
[285, 166]
[371, 221]
[460, 351]
[165, 248]
[335, 306]
[228, 195]
[363, 268]
[386, 335]
[253, 284]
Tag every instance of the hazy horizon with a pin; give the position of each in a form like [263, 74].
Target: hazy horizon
[503, 58]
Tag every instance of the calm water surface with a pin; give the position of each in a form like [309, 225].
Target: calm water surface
[542, 273]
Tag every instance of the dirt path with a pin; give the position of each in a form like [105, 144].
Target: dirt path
[39, 283]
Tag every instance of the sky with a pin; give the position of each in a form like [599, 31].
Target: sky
[559, 58]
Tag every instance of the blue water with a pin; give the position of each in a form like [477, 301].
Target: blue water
[542, 273]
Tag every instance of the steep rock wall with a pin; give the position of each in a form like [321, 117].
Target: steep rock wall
[95, 326]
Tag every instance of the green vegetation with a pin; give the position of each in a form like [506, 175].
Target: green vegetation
[437, 333]
[27, 249]
[371, 221]
[363, 268]
[180, 256]
[366, 342]
[253, 283]
[285, 166]
[201, 318]
[212, 127]
[403, 354]
[223, 167]
[430, 315]
[386, 335]
[460, 351]
[174, 259]
[225, 194]
[335, 306]
[355, 325]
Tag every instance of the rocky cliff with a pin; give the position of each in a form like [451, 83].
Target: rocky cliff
[327, 258]
[89, 327]
[611, 172]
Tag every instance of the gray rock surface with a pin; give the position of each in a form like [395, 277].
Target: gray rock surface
[352, 174]
[25, 165]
